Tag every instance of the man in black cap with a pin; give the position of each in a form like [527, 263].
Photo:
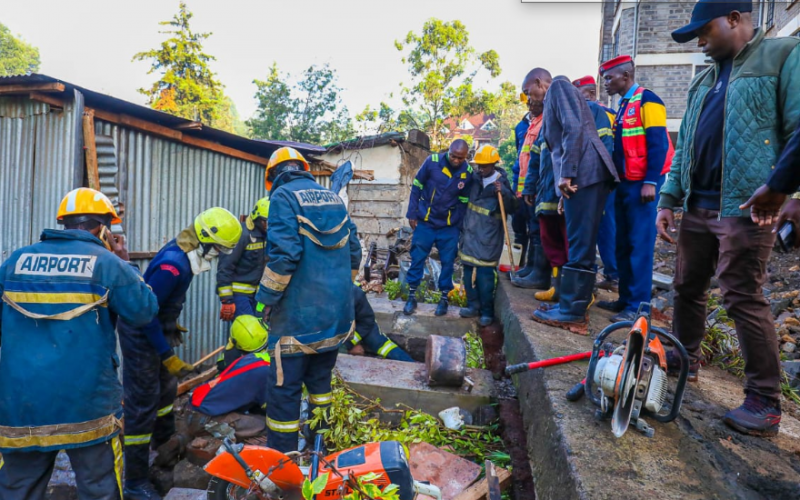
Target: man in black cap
[741, 112]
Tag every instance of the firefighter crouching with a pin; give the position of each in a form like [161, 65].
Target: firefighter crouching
[151, 366]
[59, 388]
[239, 272]
[305, 293]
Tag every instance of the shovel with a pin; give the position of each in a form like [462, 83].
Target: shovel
[505, 229]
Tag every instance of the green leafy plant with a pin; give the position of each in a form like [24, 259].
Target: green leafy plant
[314, 488]
[475, 354]
[392, 288]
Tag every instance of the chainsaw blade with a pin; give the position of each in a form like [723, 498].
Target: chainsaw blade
[628, 380]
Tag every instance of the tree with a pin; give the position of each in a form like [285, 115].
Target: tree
[16, 56]
[385, 120]
[187, 87]
[311, 111]
[443, 66]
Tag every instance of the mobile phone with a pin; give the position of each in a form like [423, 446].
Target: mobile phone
[104, 235]
[786, 238]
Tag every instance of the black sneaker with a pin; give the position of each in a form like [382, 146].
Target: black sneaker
[614, 306]
[625, 315]
[441, 309]
[411, 305]
[758, 416]
[674, 367]
[140, 490]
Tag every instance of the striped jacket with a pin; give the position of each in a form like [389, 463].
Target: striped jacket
[482, 235]
[241, 270]
[59, 387]
[439, 192]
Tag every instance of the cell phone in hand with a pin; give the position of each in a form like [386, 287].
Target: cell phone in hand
[784, 243]
[104, 235]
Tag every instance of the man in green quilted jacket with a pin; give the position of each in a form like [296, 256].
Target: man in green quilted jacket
[740, 113]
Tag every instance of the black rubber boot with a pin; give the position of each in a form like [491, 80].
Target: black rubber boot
[539, 277]
[471, 311]
[575, 298]
[758, 416]
[140, 489]
[441, 309]
[411, 303]
[530, 258]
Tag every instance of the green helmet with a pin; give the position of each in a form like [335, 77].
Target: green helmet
[247, 334]
[217, 226]
[261, 210]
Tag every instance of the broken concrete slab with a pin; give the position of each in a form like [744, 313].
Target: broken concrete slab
[188, 475]
[186, 494]
[398, 382]
[696, 457]
[451, 473]
[390, 318]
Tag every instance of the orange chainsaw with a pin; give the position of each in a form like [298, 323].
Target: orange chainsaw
[243, 472]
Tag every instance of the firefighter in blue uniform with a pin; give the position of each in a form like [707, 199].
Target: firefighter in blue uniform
[59, 388]
[436, 208]
[367, 336]
[242, 383]
[151, 366]
[239, 272]
[304, 295]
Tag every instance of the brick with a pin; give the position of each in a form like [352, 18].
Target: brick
[451, 473]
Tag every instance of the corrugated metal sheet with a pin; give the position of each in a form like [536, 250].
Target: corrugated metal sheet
[36, 169]
[163, 186]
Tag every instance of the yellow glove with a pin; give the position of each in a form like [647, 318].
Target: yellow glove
[177, 367]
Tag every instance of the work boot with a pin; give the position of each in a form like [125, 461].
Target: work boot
[140, 489]
[758, 416]
[609, 284]
[614, 306]
[674, 367]
[441, 309]
[486, 320]
[471, 311]
[624, 315]
[553, 294]
[539, 276]
[575, 299]
[411, 303]
[530, 258]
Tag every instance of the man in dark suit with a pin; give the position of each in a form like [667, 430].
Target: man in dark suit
[585, 174]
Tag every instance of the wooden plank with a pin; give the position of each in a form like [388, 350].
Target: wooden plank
[31, 87]
[225, 150]
[367, 175]
[193, 382]
[480, 490]
[90, 148]
[141, 255]
[209, 355]
[53, 101]
[321, 173]
[492, 479]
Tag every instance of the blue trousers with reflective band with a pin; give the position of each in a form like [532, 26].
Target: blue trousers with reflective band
[483, 290]
[607, 239]
[245, 304]
[583, 211]
[379, 344]
[446, 241]
[98, 472]
[283, 410]
[149, 392]
[636, 241]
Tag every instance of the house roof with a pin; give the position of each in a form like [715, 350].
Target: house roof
[97, 100]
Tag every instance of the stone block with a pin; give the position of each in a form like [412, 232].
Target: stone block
[186, 494]
[451, 473]
[189, 475]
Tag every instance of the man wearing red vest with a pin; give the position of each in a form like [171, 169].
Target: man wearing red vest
[642, 154]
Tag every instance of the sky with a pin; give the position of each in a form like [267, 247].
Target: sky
[91, 42]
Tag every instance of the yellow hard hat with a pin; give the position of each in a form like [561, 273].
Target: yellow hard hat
[279, 156]
[217, 226]
[261, 210]
[247, 334]
[85, 201]
[486, 155]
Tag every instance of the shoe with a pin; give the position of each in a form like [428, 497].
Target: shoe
[551, 295]
[529, 251]
[614, 306]
[441, 309]
[674, 367]
[471, 311]
[626, 315]
[411, 305]
[575, 299]
[758, 416]
[609, 284]
[486, 320]
[539, 276]
[140, 489]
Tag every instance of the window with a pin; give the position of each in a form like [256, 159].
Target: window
[770, 13]
[465, 125]
[608, 52]
[488, 126]
[616, 43]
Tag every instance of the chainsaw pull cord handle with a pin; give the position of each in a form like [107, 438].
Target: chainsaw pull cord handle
[230, 448]
[598, 346]
[680, 388]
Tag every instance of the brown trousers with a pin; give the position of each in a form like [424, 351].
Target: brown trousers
[737, 250]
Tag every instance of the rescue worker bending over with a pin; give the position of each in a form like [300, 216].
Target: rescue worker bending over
[238, 273]
[242, 384]
[59, 388]
[367, 336]
[151, 366]
[305, 294]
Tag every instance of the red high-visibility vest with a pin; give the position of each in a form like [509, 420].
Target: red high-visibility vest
[634, 140]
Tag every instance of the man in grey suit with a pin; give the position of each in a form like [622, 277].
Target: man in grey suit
[585, 175]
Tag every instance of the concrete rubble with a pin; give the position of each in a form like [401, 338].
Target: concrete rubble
[451, 473]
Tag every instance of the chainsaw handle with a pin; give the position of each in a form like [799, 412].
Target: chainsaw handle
[596, 348]
[230, 448]
[680, 388]
[577, 391]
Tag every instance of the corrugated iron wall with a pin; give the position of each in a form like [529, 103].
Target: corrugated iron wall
[163, 186]
[37, 158]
